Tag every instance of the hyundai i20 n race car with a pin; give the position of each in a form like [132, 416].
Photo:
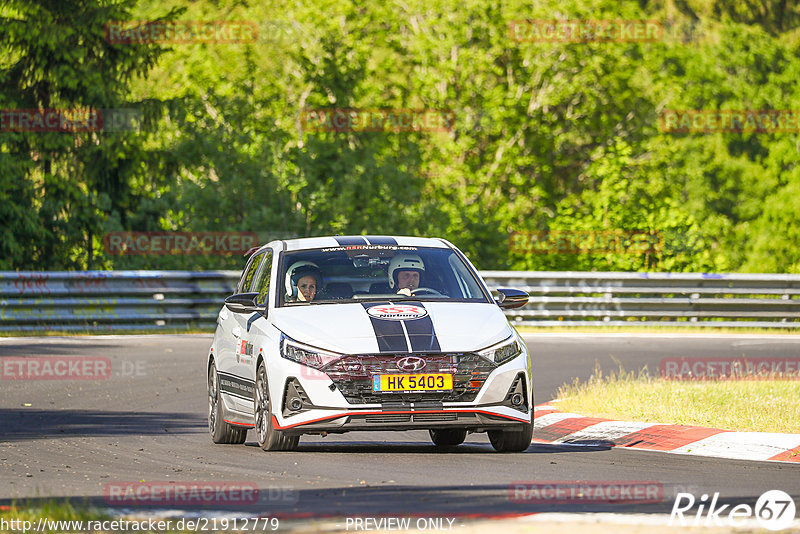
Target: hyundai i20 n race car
[335, 334]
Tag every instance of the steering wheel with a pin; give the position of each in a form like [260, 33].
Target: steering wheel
[425, 290]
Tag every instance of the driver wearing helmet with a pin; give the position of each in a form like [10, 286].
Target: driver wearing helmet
[405, 271]
[303, 281]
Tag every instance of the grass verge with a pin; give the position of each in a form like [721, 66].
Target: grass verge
[60, 516]
[666, 329]
[50, 509]
[754, 405]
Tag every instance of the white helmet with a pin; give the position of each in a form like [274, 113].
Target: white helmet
[404, 262]
[297, 271]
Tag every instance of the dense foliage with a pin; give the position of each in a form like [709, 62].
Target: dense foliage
[547, 136]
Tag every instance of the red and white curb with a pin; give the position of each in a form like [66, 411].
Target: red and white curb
[554, 427]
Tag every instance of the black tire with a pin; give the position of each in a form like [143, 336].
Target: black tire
[221, 432]
[448, 437]
[268, 437]
[512, 440]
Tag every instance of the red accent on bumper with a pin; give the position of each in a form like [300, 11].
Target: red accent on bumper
[381, 412]
[248, 425]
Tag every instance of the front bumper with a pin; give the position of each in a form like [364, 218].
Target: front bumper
[486, 398]
[380, 420]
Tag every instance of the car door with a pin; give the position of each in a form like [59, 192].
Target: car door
[250, 328]
[255, 331]
[230, 346]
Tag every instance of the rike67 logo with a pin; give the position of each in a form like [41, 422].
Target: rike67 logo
[774, 510]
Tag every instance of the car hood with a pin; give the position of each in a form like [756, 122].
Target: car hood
[356, 328]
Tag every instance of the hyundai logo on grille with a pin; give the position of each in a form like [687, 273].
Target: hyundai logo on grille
[411, 363]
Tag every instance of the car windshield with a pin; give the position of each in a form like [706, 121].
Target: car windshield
[377, 272]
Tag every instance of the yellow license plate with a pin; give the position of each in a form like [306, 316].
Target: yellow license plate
[423, 382]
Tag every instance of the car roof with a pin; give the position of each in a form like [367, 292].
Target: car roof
[364, 240]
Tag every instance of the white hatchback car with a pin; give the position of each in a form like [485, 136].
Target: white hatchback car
[334, 334]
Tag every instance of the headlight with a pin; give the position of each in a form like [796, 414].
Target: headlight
[502, 352]
[310, 356]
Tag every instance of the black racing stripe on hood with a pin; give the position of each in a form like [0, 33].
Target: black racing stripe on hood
[380, 240]
[345, 241]
[421, 334]
[391, 337]
[389, 334]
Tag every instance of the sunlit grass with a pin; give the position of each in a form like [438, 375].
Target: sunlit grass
[51, 509]
[757, 405]
[665, 329]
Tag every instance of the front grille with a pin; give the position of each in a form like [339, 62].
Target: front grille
[387, 418]
[434, 417]
[415, 420]
[352, 375]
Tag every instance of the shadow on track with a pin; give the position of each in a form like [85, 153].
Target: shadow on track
[33, 349]
[23, 424]
[415, 447]
[473, 501]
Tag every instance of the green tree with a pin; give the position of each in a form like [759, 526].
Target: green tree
[56, 56]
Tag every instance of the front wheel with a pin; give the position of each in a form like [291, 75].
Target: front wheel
[269, 438]
[448, 437]
[512, 440]
[221, 431]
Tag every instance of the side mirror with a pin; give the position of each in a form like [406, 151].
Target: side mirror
[242, 303]
[511, 298]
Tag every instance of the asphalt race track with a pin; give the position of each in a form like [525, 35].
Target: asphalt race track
[147, 422]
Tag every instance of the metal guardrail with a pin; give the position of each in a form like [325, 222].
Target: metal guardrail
[112, 300]
[145, 300]
[680, 299]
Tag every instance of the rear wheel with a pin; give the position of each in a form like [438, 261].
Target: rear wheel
[269, 438]
[512, 440]
[448, 437]
[221, 432]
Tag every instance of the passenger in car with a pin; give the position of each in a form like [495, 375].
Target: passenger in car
[303, 281]
[306, 288]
